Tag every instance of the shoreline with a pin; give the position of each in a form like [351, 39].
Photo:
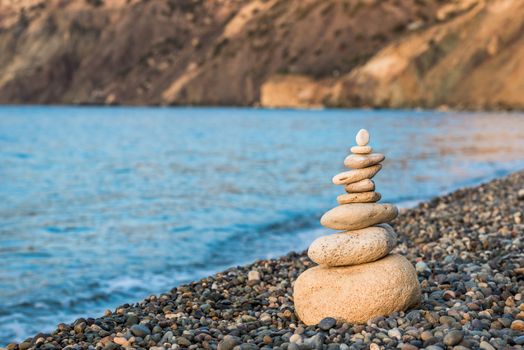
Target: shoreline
[469, 257]
[437, 109]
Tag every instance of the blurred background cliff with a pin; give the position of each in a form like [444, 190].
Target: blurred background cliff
[464, 54]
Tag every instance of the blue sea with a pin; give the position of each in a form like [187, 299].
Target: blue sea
[101, 206]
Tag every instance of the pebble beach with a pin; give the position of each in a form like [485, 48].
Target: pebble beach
[468, 251]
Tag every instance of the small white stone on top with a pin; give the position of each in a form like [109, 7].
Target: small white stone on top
[362, 137]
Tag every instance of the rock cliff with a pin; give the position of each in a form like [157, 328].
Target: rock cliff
[277, 53]
[475, 60]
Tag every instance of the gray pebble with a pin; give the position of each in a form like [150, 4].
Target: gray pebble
[486, 346]
[453, 338]
[433, 347]
[228, 343]
[111, 346]
[139, 330]
[327, 323]
[315, 342]
[183, 341]
[131, 320]
[519, 340]
[293, 346]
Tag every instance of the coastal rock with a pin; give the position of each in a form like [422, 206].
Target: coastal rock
[121, 341]
[359, 161]
[363, 197]
[362, 137]
[355, 175]
[453, 337]
[353, 247]
[228, 343]
[24, 345]
[358, 215]
[518, 325]
[361, 149]
[327, 323]
[131, 320]
[139, 330]
[355, 294]
[422, 267]
[365, 185]
[253, 275]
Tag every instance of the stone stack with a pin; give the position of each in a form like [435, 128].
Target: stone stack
[357, 277]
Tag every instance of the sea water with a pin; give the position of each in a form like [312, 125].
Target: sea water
[105, 206]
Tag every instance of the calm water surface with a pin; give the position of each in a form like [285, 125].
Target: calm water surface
[103, 206]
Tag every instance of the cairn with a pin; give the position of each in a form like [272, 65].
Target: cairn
[357, 277]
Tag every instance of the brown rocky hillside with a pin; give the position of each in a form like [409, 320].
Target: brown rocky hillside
[462, 53]
[474, 61]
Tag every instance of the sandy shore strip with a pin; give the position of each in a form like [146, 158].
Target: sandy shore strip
[468, 248]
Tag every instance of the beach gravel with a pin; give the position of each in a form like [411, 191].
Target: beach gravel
[468, 247]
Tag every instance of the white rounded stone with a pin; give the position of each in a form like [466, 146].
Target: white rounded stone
[362, 197]
[357, 293]
[358, 215]
[356, 175]
[353, 247]
[365, 185]
[359, 161]
[361, 149]
[362, 137]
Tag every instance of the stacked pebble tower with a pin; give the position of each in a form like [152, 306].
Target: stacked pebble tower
[357, 277]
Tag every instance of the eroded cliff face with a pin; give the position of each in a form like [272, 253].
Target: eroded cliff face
[272, 52]
[474, 61]
[78, 51]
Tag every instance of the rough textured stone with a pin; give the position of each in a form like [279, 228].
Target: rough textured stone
[356, 175]
[353, 247]
[359, 161]
[358, 215]
[362, 197]
[355, 294]
[365, 185]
